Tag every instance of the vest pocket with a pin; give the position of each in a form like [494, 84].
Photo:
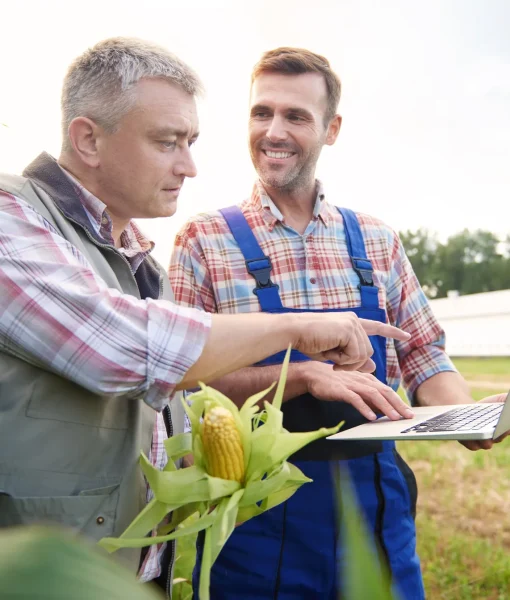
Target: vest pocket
[55, 399]
[92, 512]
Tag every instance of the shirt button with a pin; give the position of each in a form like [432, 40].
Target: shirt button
[100, 520]
[104, 220]
[313, 280]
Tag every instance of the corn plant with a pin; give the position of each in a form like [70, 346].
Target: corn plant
[240, 470]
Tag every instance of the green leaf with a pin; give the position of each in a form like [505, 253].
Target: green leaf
[112, 544]
[219, 488]
[288, 443]
[216, 537]
[186, 485]
[178, 516]
[294, 481]
[278, 397]
[286, 475]
[224, 523]
[147, 519]
[176, 447]
[246, 413]
[39, 563]
[363, 574]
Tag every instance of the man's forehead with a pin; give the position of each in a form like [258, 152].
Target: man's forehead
[166, 108]
[296, 89]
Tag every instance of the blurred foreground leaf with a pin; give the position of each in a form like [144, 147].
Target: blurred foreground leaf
[40, 563]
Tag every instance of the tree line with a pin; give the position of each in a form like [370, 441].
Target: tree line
[469, 262]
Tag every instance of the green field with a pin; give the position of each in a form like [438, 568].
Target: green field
[463, 504]
[463, 508]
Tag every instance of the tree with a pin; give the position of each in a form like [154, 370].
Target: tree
[469, 262]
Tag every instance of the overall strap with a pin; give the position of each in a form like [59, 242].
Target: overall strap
[360, 262]
[257, 263]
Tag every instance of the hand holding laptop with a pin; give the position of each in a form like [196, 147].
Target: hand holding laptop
[487, 444]
[478, 425]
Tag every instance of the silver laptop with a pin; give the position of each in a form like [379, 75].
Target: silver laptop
[478, 421]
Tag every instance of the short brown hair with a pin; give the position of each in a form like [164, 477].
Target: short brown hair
[294, 61]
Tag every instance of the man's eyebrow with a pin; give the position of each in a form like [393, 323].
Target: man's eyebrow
[295, 110]
[300, 112]
[174, 131]
[259, 108]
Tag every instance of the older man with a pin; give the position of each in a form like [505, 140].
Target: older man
[92, 349]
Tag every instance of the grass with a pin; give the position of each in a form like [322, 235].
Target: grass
[473, 367]
[463, 518]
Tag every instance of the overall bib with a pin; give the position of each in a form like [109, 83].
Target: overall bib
[295, 551]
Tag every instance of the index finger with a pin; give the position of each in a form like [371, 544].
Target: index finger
[378, 328]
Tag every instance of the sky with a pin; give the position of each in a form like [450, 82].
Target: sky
[425, 139]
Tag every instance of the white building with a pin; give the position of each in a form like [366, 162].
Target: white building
[475, 325]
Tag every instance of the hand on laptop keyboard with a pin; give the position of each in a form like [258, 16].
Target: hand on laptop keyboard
[361, 390]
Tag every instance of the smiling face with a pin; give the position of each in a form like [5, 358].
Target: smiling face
[143, 164]
[287, 130]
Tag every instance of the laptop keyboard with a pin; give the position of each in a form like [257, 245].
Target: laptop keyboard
[476, 417]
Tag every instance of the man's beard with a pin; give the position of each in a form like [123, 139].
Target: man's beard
[293, 179]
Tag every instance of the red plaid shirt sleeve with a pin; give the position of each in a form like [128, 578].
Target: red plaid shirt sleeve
[57, 313]
[408, 308]
[189, 272]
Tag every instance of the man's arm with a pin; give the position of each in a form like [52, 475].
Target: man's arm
[59, 315]
[428, 375]
[238, 340]
[447, 387]
[362, 390]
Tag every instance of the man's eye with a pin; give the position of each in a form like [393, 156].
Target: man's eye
[191, 142]
[260, 115]
[168, 145]
[295, 118]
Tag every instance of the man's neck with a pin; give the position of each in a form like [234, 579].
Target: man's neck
[296, 206]
[119, 224]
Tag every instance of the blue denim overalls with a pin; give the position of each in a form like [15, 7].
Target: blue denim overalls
[285, 554]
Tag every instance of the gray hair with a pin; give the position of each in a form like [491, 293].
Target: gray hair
[99, 83]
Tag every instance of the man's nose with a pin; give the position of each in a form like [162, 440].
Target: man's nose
[185, 165]
[276, 131]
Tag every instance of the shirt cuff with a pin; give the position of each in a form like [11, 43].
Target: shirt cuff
[178, 337]
[422, 364]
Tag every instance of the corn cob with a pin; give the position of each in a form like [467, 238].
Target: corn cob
[222, 445]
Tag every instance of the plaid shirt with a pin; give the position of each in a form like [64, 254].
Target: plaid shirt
[313, 271]
[72, 303]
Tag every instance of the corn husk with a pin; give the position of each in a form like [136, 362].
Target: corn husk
[221, 503]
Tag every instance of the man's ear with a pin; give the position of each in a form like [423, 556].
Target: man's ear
[333, 130]
[83, 134]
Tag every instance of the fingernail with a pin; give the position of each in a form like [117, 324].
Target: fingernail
[395, 414]
[408, 414]
[372, 416]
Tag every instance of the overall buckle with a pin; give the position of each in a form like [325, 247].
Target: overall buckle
[364, 270]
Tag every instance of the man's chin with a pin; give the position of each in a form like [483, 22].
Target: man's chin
[276, 183]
